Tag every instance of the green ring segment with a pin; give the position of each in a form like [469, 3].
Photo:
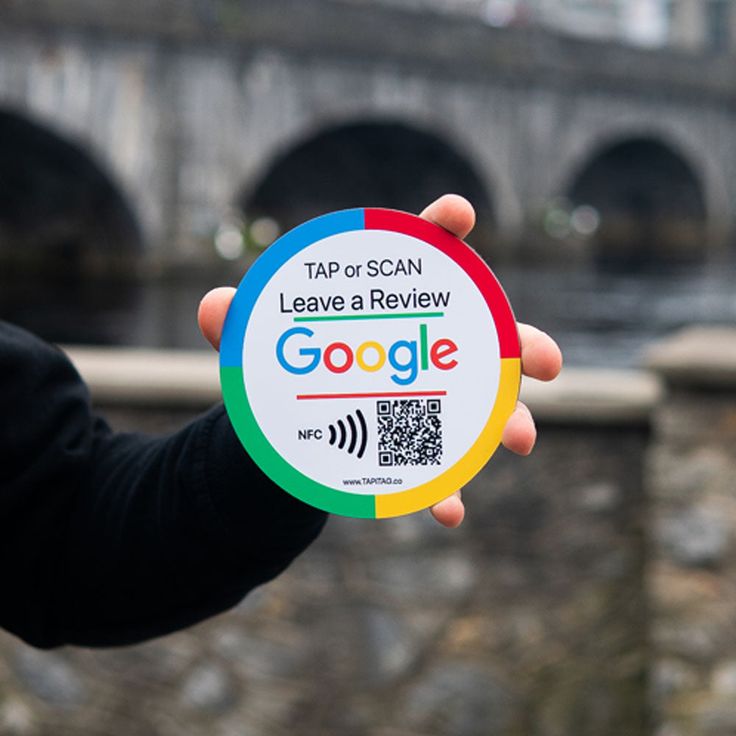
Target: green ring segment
[231, 369]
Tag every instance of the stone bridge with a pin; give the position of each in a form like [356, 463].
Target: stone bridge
[199, 109]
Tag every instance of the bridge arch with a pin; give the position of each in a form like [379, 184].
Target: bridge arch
[365, 161]
[650, 199]
[58, 204]
[645, 165]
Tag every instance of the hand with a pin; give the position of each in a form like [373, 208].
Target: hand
[540, 356]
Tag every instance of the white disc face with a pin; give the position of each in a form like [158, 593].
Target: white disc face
[362, 366]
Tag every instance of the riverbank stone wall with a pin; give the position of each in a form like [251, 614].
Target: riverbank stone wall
[540, 615]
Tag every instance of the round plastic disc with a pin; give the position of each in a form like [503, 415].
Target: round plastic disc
[369, 362]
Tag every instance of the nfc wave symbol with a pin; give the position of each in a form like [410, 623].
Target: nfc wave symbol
[355, 434]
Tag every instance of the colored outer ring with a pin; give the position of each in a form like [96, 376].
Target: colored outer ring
[241, 414]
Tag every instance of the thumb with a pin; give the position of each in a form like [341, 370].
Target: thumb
[212, 311]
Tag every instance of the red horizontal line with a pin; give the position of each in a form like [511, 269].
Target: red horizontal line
[374, 395]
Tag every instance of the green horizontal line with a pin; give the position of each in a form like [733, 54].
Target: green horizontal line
[343, 317]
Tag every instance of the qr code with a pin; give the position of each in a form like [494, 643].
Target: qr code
[409, 432]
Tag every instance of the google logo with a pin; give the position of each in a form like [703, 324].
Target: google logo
[405, 357]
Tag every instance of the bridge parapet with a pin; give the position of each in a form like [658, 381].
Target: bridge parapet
[449, 45]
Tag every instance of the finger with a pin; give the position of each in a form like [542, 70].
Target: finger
[520, 433]
[452, 212]
[212, 311]
[540, 356]
[449, 512]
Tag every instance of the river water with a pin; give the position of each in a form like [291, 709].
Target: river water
[599, 319]
[609, 319]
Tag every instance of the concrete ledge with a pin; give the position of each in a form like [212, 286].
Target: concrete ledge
[155, 378]
[594, 396]
[698, 356]
[168, 378]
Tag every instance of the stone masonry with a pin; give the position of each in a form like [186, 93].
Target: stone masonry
[529, 619]
[691, 565]
[590, 591]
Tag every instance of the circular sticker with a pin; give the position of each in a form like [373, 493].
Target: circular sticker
[369, 362]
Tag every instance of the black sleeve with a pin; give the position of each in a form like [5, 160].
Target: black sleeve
[113, 538]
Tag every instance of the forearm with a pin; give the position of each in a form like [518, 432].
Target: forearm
[172, 531]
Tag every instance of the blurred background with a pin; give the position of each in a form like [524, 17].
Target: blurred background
[150, 150]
